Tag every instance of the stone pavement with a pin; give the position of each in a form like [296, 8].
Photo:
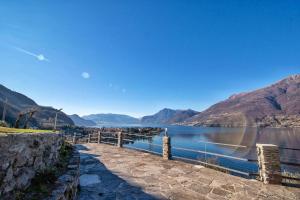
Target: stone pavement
[109, 172]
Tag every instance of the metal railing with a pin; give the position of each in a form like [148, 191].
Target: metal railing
[94, 138]
[138, 140]
[207, 164]
[113, 138]
[218, 155]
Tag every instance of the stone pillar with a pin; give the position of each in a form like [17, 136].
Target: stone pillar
[166, 148]
[269, 163]
[99, 137]
[89, 138]
[120, 139]
[74, 138]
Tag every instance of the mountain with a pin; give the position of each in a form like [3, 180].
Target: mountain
[277, 105]
[82, 122]
[168, 116]
[17, 103]
[109, 118]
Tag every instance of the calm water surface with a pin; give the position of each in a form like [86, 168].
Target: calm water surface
[195, 138]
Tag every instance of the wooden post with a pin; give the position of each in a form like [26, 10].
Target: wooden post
[120, 139]
[89, 138]
[4, 109]
[166, 147]
[269, 163]
[99, 137]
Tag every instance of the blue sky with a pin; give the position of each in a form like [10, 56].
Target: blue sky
[139, 56]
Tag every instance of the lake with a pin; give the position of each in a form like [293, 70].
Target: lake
[245, 139]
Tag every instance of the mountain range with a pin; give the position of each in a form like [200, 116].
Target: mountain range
[18, 103]
[79, 121]
[168, 116]
[44, 116]
[165, 116]
[277, 105]
[109, 119]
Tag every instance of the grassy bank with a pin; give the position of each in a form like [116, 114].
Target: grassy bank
[19, 130]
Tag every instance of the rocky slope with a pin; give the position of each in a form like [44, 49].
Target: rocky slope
[277, 105]
[168, 116]
[79, 121]
[17, 103]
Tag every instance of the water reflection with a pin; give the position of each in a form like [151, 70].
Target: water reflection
[285, 137]
[194, 138]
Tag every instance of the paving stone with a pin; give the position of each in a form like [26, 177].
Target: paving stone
[199, 188]
[220, 192]
[88, 179]
[129, 174]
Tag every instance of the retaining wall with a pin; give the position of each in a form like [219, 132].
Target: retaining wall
[66, 186]
[22, 155]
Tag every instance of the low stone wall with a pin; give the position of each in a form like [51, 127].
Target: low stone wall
[22, 155]
[66, 186]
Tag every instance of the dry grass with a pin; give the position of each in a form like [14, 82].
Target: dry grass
[18, 130]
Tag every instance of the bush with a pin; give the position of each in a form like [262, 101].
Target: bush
[3, 124]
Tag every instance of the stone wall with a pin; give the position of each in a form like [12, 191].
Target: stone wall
[22, 155]
[66, 186]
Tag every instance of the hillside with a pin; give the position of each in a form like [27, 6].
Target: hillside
[102, 119]
[17, 102]
[79, 121]
[277, 105]
[168, 116]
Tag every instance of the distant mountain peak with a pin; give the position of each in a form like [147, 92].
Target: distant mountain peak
[111, 118]
[288, 80]
[276, 105]
[79, 121]
[168, 116]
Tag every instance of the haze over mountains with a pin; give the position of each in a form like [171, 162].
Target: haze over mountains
[102, 119]
[165, 116]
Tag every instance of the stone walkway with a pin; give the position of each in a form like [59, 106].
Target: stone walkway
[108, 172]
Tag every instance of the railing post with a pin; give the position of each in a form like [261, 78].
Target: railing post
[99, 137]
[89, 138]
[166, 147]
[120, 139]
[205, 154]
[74, 138]
[269, 163]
